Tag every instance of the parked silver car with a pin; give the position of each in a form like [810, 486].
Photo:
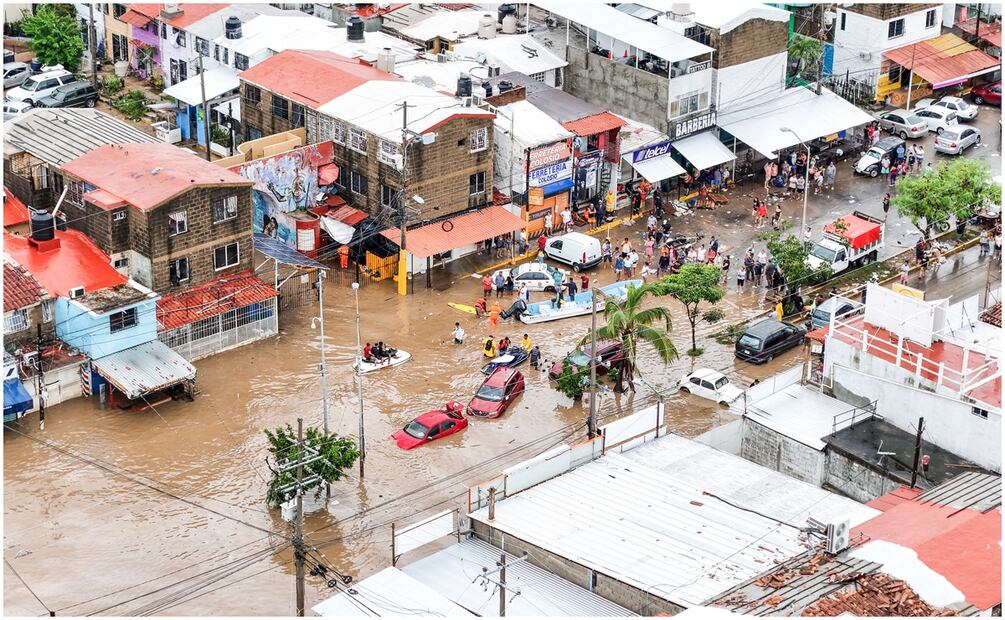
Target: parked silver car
[14, 73]
[955, 140]
[14, 109]
[903, 123]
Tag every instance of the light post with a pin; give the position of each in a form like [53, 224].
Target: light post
[315, 322]
[806, 184]
[359, 384]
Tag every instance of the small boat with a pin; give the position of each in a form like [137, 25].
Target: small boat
[513, 356]
[399, 358]
[544, 311]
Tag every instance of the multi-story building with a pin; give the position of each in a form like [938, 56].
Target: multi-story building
[167, 218]
[25, 306]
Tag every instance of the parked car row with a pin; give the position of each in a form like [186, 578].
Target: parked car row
[53, 87]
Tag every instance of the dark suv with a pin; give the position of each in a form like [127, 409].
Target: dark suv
[762, 341]
[72, 95]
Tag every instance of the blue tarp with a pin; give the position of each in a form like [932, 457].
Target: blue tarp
[16, 400]
[276, 249]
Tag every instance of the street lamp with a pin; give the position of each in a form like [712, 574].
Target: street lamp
[319, 321]
[806, 184]
[359, 384]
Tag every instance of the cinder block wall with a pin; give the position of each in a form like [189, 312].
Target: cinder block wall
[752, 40]
[855, 479]
[775, 451]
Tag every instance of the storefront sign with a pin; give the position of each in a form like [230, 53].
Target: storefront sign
[690, 126]
[550, 174]
[650, 152]
[535, 197]
[591, 160]
[701, 66]
[545, 155]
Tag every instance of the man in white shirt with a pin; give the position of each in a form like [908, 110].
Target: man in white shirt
[458, 334]
[567, 219]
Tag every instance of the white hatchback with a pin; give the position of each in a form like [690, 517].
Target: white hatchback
[536, 276]
[710, 384]
[939, 118]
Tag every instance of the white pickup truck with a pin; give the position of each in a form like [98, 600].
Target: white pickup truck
[851, 240]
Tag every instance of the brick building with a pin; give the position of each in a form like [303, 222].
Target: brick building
[25, 305]
[361, 110]
[167, 218]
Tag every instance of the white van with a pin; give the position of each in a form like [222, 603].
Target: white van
[576, 249]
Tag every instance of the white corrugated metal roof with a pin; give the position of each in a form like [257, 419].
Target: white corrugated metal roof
[512, 52]
[143, 369]
[449, 25]
[452, 570]
[389, 593]
[531, 126]
[642, 517]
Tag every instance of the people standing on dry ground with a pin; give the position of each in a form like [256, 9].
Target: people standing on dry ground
[905, 271]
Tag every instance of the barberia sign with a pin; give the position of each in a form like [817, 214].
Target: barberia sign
[544, 155]
[698, 123]
[701, 66]
[651, 152]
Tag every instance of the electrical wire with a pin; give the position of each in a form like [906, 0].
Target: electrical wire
[25, 584]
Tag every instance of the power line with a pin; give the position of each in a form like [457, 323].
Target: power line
[21, 579]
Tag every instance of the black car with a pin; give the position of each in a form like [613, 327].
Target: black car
[762, 341]
[72, 95]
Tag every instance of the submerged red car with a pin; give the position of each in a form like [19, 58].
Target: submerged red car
[432, 425]
[496, 393]
[608, 355]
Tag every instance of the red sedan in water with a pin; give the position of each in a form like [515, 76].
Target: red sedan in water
[432, 425]
[988, 93]
[496, 393]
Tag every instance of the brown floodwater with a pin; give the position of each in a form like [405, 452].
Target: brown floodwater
[124, 513]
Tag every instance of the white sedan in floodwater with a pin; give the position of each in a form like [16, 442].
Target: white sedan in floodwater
[537, 276]
[710, 384]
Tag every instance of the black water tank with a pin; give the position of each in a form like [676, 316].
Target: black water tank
[506, 9]
[232, 27]
[41, 226]
[464, 86]
[505, 86]
[354, 29]
[488, 88]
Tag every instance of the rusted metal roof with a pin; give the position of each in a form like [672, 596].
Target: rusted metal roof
[459, 231]
[943, 60]
[993, 315]
[211, 299]
[144, 369]
[598, 123]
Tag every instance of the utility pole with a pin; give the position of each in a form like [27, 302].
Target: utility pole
[359, 384]
[591, 425]
[820, 59]
[403, 257]
[93, 44]
[485, 579]
[502, 584]
[910, 76]
[205, 108]
[321, 367]
[298, 538]
[917, 452]
[40, 390]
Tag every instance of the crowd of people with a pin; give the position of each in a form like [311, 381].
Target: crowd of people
[795, 171]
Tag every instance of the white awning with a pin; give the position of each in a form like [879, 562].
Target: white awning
[218, 81]
[339, 231]
[143, 369]
[231, 108]
[656, 169]
[800, 109]
[703, 150]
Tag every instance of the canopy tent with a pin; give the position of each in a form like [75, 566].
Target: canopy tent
[144, 369]
[656, 169]
[944, 60]
[458, 231]
[764, 127]
[703, 150]
[16, 400]
[219, 81]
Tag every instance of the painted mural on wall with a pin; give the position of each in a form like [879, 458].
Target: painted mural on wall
[284, 184]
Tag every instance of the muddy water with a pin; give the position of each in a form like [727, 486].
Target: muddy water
[75, 531]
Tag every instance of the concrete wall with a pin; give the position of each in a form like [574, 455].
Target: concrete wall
[949, 422]
[867, 33]
[726, 438]
[775, 451]
[854, 479]
[629, 597]
[62, 384]
[750, 41]
[637, 94]
[750, 82]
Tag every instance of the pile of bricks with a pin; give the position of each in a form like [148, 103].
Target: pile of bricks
[875, 595]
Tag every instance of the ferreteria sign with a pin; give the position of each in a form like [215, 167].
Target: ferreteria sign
[688, 127]
[544, 155]
[549, 174]
[651, 152]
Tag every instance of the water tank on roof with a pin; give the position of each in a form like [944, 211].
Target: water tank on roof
[232, 27]
[487, 87]
[506, 9]
[464, 86]
[505, 86]
[42, 228]
[486, 27]
[354, 29]
[509, 24]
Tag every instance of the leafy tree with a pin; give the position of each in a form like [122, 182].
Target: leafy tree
[628, 322]
[804, 50]
[56, 37]
[693, 285]
[572, 382]
[954, 188]
[790, 254]
[339, 454]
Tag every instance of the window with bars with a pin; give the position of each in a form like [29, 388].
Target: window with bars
[297, 115]
[387, 152]
[252, 96]
[240, 61]
[388, 197]
[358, 184]
[537, 76]
[226, 256]
[177, 223]
[224, 209]
[357, 140]
[15, 321]
[202, 46]
[119, 321]
[476, 183]
[479, 140]
[280, 107]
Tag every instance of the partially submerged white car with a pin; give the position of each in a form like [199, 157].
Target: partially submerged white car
[537, 276]
[710, 384]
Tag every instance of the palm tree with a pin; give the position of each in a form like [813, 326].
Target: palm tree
[628, 322]
[805, 50]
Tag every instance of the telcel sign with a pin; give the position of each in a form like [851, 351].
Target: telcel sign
[651, 152]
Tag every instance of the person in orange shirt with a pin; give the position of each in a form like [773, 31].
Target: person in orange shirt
[494, 313]
[343, 256]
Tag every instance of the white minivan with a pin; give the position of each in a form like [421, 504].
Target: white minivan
[576, 249]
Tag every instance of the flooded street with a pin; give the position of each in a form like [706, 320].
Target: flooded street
[121, 513]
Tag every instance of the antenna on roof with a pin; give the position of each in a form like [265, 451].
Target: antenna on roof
[155, 170]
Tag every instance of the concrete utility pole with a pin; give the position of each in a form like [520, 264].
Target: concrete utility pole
[591, 425]
[359, 384]
[917, 452]
[803, 237]
[205, 108]
[322, 369]
[93, 45]
[500, 584]
[298, 538]
[403, 256]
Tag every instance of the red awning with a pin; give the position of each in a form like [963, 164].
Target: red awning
[136, 19]
[820, 335]
[327, 174]
[348, 215]
[597, 123]
[458, 231]
[211, 299]
[944, 60]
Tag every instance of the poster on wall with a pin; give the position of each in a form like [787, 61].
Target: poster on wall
[284, 184]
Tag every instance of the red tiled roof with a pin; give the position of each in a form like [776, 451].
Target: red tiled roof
[148, 175]
[458, 231]
[211, 299]
[76, 261]
[331, 75]
[597, 123]
[876, 595]
[14, 211]
[942, 60]
[20, 289]
[993, 315]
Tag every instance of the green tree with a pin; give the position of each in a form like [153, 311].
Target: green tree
[693, 285]
[572, 382]
[629, 323]
[56, 38]
[339, 454]
[790, 254]
[954, 188]
[805, 50]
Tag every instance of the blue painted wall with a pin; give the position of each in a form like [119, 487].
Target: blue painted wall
[91, 333]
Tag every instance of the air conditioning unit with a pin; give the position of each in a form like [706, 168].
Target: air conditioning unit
[77, 291]
[865, 55]
[477, 100]
[398, 161]
[466, 101]
[29, 358]
[441, 57]
[494, 71]
[837, 536]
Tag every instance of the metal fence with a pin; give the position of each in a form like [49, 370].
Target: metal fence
[298, 290]
[374, 269]
[225, 331]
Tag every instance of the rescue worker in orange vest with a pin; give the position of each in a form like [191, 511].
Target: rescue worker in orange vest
[343, 256]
